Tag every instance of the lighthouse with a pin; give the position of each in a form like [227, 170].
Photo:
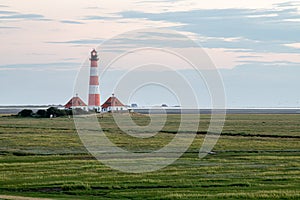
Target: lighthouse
[94, 92]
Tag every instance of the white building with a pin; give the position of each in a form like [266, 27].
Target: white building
[76, 102]
[113, 104]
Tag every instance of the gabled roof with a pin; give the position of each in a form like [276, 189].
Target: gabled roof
[112, 102]
[74, 102]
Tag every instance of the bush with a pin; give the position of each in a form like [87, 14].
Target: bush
[55, 112]
[41, 113]
[25, 113]
[78, 111]
[69, 112]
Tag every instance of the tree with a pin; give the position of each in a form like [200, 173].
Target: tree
[41, 113]
[55, 112]
[25, 113]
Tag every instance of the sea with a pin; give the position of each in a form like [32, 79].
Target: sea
[173, 110]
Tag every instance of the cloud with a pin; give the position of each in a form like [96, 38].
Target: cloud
[287, 4]
[259, 30]
[92, 7]
[6, 15]
[281, 63]
[156, 1]
[249, 56]
[9, 27]
[230, 22]
[3, 12]
[150, 39]
[293, 45]
[228, 58]
[96, 17]
[248, 45]
[83, 41]
[56, 66]
[23, 16]
[70, 22]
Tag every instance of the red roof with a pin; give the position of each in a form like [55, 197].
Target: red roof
[112, 102]
[75, 101]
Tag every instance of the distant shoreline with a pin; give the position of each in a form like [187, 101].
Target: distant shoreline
[172, 110]
[15, 109]
[27, 106]
[227, 111]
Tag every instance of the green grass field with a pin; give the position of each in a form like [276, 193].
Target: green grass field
[256, 157]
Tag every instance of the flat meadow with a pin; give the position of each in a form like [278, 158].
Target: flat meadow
[256, 157]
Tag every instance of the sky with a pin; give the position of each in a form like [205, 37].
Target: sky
[255, 46]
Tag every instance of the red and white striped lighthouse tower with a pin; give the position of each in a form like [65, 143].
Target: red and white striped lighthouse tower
[94, 94]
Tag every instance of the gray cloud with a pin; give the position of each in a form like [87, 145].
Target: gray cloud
[145, 38]
[41, 66]
[71, 22]
[83, 41]
[282, 63]
[251, 45]
[259, 30]
[3, 12]
[156, 1]
[287, 4]
[23, 16]
[96, 17]
[6, 15]
[92, 7]
[9, 27]
[249, 57]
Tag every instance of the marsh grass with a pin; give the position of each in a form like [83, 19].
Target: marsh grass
[45, 158]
